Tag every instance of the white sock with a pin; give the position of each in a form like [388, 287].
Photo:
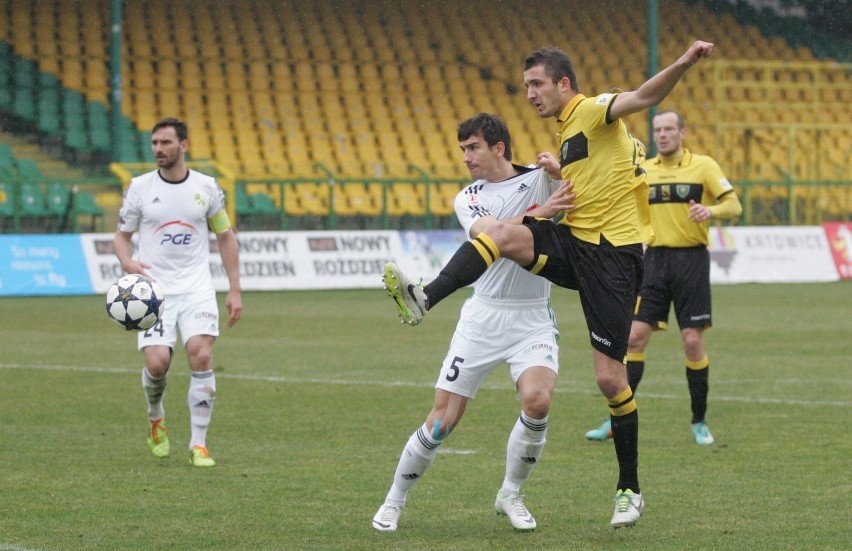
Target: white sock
[154, 389]
[526, 442]
[417, 455]
[202, 394]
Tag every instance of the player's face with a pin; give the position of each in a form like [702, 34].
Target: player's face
[167, 148]
[667, 136]
[544, 94]
[481, 161]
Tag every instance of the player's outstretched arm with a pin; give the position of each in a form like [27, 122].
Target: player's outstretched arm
[655, 89]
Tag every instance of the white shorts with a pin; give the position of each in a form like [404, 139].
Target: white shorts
[194, 313]
[522, 334]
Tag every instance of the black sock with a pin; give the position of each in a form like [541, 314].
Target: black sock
[625, 435]
[697, 380]
[624, 418]
[468, 263]
[635, 370]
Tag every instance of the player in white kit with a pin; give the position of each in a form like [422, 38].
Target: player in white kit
[174, 208]
[508, 319]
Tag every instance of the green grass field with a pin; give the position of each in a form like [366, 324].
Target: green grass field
[318, 392]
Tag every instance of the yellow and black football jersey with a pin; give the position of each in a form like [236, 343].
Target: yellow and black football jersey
[673, 184]
[604, 163]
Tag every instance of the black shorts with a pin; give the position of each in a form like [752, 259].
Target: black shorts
[680, 276]
[607, 278]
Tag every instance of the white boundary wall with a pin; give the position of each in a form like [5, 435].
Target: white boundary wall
[85, 263]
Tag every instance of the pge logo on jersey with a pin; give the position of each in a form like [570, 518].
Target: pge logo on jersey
[177, 233]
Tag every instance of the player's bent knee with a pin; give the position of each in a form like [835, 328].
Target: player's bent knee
[536, 405]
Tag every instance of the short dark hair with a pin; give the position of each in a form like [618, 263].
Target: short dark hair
[680, 122]
[556, 64]
[180, 127]
[492, 129]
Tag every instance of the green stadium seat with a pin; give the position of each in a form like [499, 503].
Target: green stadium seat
[75, 138]
[242, 203]
[32, 207]
[5, 70]
[98, 116]
[5, 97]
[83, 203]
[49, 119]
[7, 162]
[58, 199]
[257, 210]
[28, 170]
[100, 138]
[73, 104]
[23, 104]
[263, 204]
[48, 81]
[23, 72]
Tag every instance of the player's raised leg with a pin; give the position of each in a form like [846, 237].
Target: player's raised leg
[409, 297]
[469, 262]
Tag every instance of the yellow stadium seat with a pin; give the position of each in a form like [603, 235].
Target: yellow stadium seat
[406, 199]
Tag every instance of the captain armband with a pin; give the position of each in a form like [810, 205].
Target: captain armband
[220, 222]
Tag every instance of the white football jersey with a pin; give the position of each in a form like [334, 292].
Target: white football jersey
[504, 279]
[171, 218]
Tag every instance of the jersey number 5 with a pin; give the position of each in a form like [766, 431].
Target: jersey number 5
[453, 373]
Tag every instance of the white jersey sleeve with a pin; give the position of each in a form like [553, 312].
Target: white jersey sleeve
[515, 196]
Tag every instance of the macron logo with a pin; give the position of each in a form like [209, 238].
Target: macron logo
[601, 340]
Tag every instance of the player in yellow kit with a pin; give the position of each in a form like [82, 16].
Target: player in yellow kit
[687, 190]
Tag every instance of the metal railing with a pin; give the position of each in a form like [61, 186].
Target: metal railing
[415, 202]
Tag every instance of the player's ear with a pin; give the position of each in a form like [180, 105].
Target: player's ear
[500, 149]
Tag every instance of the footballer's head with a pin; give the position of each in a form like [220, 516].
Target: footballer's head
[669, 132]
[550, 80]
[169, 142]
[486, 145]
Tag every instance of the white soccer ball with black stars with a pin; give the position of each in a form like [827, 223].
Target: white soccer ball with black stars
[135, 302]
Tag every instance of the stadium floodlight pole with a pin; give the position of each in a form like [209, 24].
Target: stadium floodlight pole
[115, 78]
[653, 67]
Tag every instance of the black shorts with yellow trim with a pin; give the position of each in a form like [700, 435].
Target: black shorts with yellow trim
[607, 278]
[678, 276]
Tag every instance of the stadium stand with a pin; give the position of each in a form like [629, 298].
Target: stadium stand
[283, 89]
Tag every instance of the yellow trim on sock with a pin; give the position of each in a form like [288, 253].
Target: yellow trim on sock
[486, 248]
[635, 356]
[703, 363]
[629, 407]
[622, 404]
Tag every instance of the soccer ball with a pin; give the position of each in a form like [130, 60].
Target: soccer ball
[135, 302]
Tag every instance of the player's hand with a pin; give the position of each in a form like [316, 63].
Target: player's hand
[561, 200]
[137, 267]
[234, 304]
[699, 50]
[548, 162]
[698, 212]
